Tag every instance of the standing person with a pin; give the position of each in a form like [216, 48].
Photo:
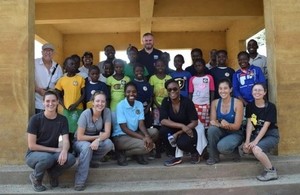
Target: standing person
[149, 55]
[256, 59]
[92, 138]
[213, 59]
[224, 133]
[132, 53]
[47, 73]
[108, 71]
[196, 54]
[87, 62]
[244, 78]
[201, 92]
[44, 153]
[110, 53]
[71, 94]
[221, 71]
[181, 76]
[262, 132]
[178, 118]
[130, 136]
[165, 56]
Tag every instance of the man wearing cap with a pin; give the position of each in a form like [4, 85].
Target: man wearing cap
[87, 61]
[47, 72]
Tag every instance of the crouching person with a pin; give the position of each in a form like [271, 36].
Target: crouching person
[92, 141]
[44, 153]
[131, 137]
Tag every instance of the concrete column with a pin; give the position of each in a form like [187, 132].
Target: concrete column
[283, 43]
[16, 77]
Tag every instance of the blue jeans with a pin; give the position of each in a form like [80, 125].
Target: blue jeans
[47, 161]
[223, 141]
[86, 155]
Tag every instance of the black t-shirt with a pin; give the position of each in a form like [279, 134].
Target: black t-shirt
[219, 73]
[186, 114]
[47, 131]
[191, 69]
[258, 115]
[148, 60]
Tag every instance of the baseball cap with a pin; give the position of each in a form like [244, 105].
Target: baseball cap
[48, 46]
[88, 53]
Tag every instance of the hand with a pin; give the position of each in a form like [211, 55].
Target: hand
[225, 124]
[72, 107]
[187, 130]
[252, 144]
[40, 91]
[62, 157]
[148, 143]
[214, 123]
[246, 147]
[95, 144]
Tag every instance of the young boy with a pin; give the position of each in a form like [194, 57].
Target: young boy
[181, 76]
[201, 90]
[92, 85]
[108, 71]
[71, 94]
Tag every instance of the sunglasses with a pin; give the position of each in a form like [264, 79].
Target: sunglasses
[175, 89]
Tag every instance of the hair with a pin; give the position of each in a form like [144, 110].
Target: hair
[160, 60]
[108, 62]
[66, 60]
[243, 53]
[202, 61]
[108, 46]
[253, 41]
[136, 65]
[97, 93]
[261, 84]
[87, 53]
[130, 83]
[169, 82]
[225, 80]
[180, 56]
[148, 34]
[197, 50]
[120, 61]
[75, 57]
[93, 67]
[131, 48]
[50, 92]
[222, 51]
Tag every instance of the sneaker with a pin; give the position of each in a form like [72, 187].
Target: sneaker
[121, 159]
[173, 161]
[195, 158]
[79, 187]
[36, 185]
[212, 161]
[268, 175]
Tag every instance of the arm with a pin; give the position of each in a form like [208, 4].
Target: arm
[60, 98]
[129, 132]
[211, 95]
[213, 114]
[260, 135]
[33, 146]
[147, 109]
[63, 156]
[73, 106]
[148, 142]
[249, 128]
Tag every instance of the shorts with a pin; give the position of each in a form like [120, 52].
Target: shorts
[72, 117]
[269, 141]
[203, 114]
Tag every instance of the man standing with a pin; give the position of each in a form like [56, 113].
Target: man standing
[196, 54]
[255, 58]
[110, 53]
[47, 72]
[148, 55]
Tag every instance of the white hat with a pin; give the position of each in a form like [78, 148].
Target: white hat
[48, 46]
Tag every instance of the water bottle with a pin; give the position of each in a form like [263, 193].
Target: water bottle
[172, 140]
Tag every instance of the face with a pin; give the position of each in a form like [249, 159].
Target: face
[258, 92]
[110, 52]
[131, 93]
[252, 47]
[222, 58]
[173, 91]
[196, 56]
[47, 54]
[165, 57]
[139, 73]
[71, 66]
[94, 75]
[99, 102]
[148, 42]
[50, 102]
[178, 62]
[224, 90]
[108, 69]
[243, 61]
[132, 55]
[160, 66]
[213, 55]
[118, 68]
[199, 67]
[87, 60]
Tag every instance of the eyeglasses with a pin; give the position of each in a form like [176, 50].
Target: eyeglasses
[175, 89]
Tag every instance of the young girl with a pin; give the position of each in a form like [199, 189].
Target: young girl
[181, 76]
[201, 90]
[262, 131]
[71, 94]
[157, 81]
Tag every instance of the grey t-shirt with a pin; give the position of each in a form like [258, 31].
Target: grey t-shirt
[86, 121]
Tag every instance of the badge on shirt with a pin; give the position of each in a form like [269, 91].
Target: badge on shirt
[155, 57]
[205, 80]
[226, 74]
[75, 83]
[137, 111]
[145, 88]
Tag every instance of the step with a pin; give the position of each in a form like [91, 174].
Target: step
[110, 172]
[286, 184]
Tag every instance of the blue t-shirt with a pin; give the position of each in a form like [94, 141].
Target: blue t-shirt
[182, 78]
[144, 91]
[91, 87]
[131, 115]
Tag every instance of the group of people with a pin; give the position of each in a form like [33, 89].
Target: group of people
[144, 107]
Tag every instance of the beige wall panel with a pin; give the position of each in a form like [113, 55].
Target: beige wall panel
[16, 89]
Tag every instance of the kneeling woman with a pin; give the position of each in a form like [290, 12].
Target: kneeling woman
[92, 137]
[131, 137]
[262, 132]
[178, 118]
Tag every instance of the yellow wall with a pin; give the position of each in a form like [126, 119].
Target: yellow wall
[16, 73]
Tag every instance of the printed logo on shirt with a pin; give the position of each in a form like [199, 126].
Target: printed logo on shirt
[155, 57]
[205, 80]
[227, 74]
[145, 88]
[137, 111]
[75, 83]
[180, 82]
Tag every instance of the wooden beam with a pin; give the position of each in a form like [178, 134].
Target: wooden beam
[146, 15]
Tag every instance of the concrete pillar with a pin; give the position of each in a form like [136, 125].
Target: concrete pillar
[283, 43]
[16, 77]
